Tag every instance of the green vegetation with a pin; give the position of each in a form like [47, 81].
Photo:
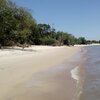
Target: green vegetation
[18, 27]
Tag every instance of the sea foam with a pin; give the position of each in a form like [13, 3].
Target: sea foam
[75, 74]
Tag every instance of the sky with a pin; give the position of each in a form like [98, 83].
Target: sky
[78, 17]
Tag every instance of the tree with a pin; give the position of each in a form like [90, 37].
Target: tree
[82, 40]
[15, 24]
[18, 27]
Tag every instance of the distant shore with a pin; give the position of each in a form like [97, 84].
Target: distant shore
[17, 67]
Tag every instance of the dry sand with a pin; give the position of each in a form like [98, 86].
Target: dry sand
[34, 73]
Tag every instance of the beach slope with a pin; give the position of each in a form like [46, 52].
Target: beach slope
[34, 73]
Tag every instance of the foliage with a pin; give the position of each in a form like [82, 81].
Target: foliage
[82, 40]
[18, 27]
[15, 23]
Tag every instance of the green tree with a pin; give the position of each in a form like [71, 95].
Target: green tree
[15, 24]
[82, 40]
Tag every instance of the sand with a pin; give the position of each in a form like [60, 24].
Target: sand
[34, 73]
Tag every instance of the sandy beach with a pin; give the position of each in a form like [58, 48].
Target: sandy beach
[35, 73]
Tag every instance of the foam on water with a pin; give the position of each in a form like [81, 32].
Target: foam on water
[75, 74]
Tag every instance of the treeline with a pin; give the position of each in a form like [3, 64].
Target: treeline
[19, 28]
[93, 41]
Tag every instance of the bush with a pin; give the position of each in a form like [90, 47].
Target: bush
[50, 41]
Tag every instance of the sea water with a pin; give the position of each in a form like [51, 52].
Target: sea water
[90, 88]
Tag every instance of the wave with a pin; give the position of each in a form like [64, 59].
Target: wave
[75, 74]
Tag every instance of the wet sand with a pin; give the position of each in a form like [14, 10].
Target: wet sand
[40, 75]
[52, 84]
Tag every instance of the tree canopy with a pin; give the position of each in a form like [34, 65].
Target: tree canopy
[18, 27]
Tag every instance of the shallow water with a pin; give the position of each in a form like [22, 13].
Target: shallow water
[91, 87]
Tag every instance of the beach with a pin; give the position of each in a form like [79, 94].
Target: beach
[38, 73]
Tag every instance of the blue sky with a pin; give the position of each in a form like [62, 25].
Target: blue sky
[79, 17]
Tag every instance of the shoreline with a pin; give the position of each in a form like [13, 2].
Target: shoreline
[18, 70]
[79, 73]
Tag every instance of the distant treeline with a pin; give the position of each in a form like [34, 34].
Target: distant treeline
[19, 28]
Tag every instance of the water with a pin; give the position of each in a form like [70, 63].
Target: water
[91, 86]
[75, 74]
